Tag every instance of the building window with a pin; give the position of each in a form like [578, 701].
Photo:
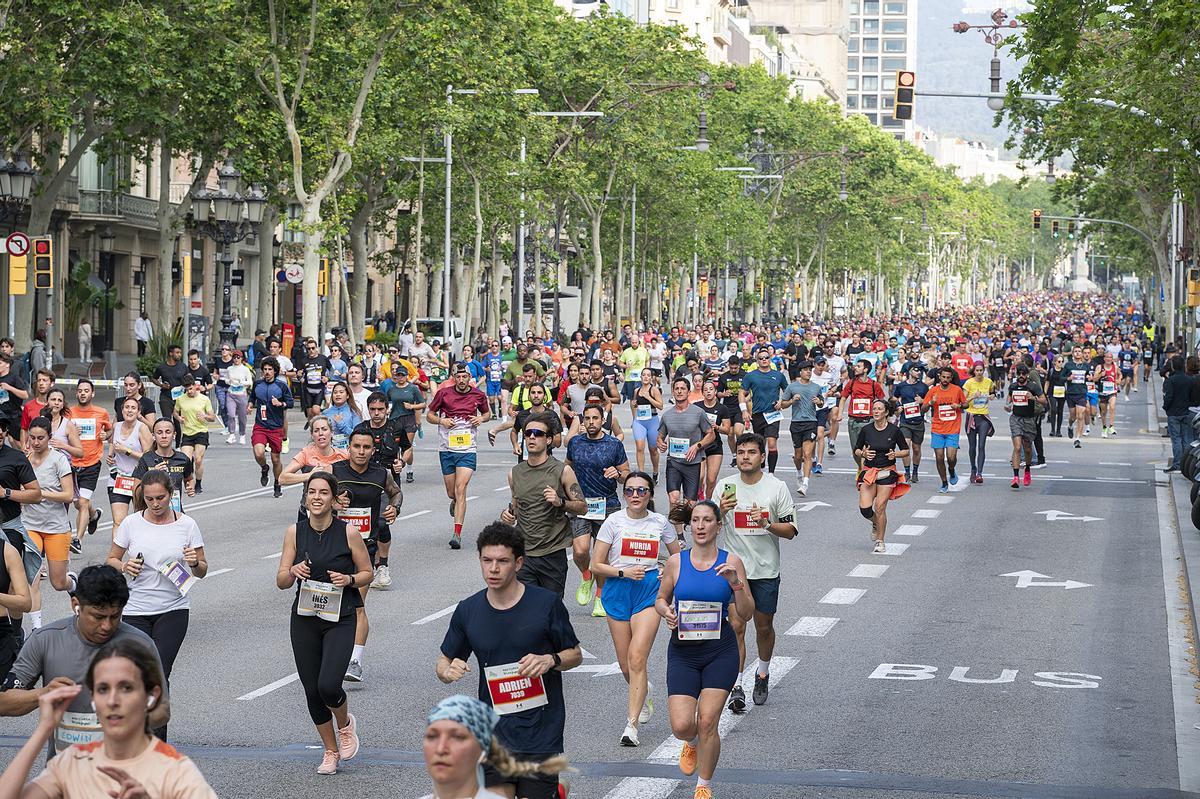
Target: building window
[870, 26]
[870, 7]
[870, 101]
[672, 5]
[852, 82]
[891, 122]
[851, 101]
[872, 118]
[895, 26]
[852, 45]
[870, 64]
[888, 83]
[870, 83]
[852, 64]
[894, 64]
[888, 102]
[892, 45]
[854, 26]
[893, 7]
[870, 45]
[853, 7]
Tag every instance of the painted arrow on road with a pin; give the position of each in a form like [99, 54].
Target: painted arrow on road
[807, 506]
[597, 669]
[1025, 579]
[1063, 516]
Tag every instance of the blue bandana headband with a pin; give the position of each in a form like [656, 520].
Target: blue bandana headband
[476, 716]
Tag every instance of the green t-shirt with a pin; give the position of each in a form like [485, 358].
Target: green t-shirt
[635, 360]
[192, 409]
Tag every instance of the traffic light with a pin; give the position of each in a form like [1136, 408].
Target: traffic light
[1070, 230]
[43, 263]
[17, 276]
[323, 278]
[1037, 218]
[1054, 228]
[1193, 287]
[906, 88]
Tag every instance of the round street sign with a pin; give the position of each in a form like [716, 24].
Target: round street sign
[294, 273]
[17, 244]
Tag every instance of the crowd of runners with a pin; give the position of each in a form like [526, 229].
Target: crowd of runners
[708, 409]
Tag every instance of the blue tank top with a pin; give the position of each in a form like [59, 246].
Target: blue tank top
[703, 586]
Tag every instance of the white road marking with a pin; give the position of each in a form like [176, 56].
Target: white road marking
[266, 689]
[472, 499]
[218, 571]
[940, 499]
[414, 515]
[270, 557]
[868, 570]
[438, 615]
[910, 529]
[895, 549]
[815, 626]
[208, 503]
[842, 596]
[926, 513]
[1114, 463]
[501, 488]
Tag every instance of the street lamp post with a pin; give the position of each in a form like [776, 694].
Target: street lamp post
[16, 186]
[227, 216]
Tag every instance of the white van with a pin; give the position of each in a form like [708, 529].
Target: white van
[432, 328]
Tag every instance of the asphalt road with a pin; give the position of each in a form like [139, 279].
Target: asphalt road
[958, 664]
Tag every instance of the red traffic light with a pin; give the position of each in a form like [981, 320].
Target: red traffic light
[41, 246]
[906, 78]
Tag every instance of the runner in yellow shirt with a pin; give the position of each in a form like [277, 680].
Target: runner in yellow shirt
[978, 389]
[194, 411]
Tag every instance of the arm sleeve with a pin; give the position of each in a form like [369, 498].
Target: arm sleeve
[607, 532]
[50, 781]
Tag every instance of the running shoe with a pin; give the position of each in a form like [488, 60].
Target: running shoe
[953, 478]
[76, 546]
[242, 438]
[1104, 432]
[629, 737]
[760, 689]
[805, 491]
[1112, 432]
[801, 489]
[702, 792]
[974, 474]
[647, 707]
[286, 448]
[329, 763]
[452, 504]
[1016, 483]
[262, 477]
[687, 759]
[353, 674]
[456, 541]
[818, 469]
[879, 549]
[831, 451]
[383, 577]
[95, 520]
[230, 438]
[408, 477]
[737, 700]
[944, 489]
[1087, 429]
[1038, 465]
[347, 736]
[583, 594]
[1077, 444]
[915, 478]
[1027, 479]
[278, 490]
[1135, 389]
[598, 611]
[979, 479]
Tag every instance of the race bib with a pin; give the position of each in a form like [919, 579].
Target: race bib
[123, 485]
[3, 396]
[640, 549]
[1091, 387]
[313, 375]
[179, 575]
[597, 508]
[86, 428]
[645, 411]
[340, 440]
[512, 693]
[830, 402]
[947, 413]
[176, 392]
[76, 728]
[678, 447]
[1020, 399]
[237, 389]
[1077, 375]
[912, 410]
[176, 503]
[998, 362]
[323, 600]
[860, 406]
[746, 526]
[979, 401]
[223, 374]
[771, 417]
[357, 519]
[461, 440]
[262, 412]
[698, 621]
[1060, 391]
[1108, 387]
[712, 419]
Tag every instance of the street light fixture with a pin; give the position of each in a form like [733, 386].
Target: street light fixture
[107, 238]
[227, 216]
[16, 185]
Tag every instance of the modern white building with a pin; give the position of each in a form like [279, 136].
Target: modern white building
[971, 159]
[882, 41]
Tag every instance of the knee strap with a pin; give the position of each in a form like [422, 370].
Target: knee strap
[868, 512]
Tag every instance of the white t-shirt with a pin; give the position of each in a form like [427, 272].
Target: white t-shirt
[658, 351]
[835, 364]
[758, 548]
[151, 592]
[49, 516]
[630, 538]
[482, 793]
[285, 364]
[360, 399]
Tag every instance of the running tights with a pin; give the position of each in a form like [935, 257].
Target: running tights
[322, 651]
[1056, 417]
[977, 437]
[167, 631]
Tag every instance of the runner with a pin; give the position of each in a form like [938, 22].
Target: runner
[1107, 378]
[910, 394]
[626, 557]
[46, 521]
[20, 487]
[313, 369]
[94, 429]
[64, 436]
[328, 563]
[193, 412]
[947, 401]
[458, 410]
[978, 390]
[703, 658]
[523, 640]
[1127, 360]
[634, 359]
[221, 366]
[239, 379]
[599, 462]
[1058, 395]
[319, 455]
[356, 388]
[803, 396]
[1025, 399]
[13, 392]
[1074, 374]
[493, 368]
[132, 383]
[390, 445]
[131, 439]
[757, 511]
[647, 404]
[15, 597]
[827, 414]
[164, 456]
[877, 447]
[269, 402]
[759, 402]
[538, 409]
[721, 417]
[407, 403]
[343, 413]
[683, 433]
[43, 381]
[169, 560]
[168, 376]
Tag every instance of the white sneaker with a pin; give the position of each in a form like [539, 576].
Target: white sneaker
[231, 439]
[801, 488]
[647, 707]
[630, 737]
[1135, 388]
[879, 548]
[383, 577]
[242, 438]
[1104, 432]
[1087, 429]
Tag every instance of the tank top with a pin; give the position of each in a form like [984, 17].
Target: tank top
[326, 551]
[703, 586]
[125, 464]
[638, 400]
[59, 436]
[5, 580]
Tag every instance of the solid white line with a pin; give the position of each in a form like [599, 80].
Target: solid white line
[208, 503]
[842, 596]
[269, 557]
[472, 499]
[926, 513]
[414, 515]
[895, 549]
[501, 488]
[438, 615]
[940, 499]
[910, 529]
[266, 689]
[868, 570]
[218, 571]
[1114, 463]
[815, 626]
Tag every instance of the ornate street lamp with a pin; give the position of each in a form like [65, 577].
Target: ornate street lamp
[16, 186]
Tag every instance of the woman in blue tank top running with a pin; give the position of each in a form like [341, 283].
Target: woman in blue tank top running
[694, 594]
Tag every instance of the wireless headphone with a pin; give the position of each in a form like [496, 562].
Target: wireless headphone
[150, 702]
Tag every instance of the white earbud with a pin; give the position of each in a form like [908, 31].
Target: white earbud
[150, 702]
[94, 707]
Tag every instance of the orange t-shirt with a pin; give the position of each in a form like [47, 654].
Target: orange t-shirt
[311, 456]
[91, 422]
[162, 771]
[947, 408]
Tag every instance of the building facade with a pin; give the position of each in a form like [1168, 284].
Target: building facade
[882, 41]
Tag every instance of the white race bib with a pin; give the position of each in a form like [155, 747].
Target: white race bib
[1077, 375]
[357, 519]
[1020, 399]
[645, 411]
[860, 406]
[745, 526]
[237, 388]
[678, 447]
[947, 413]
[123, 485]
[640, 549]
[597, 509]
[323, 600]
[176, 502]
[179, 575]
[1108, 387]
[340, 440]
[512, 693]
[698, 621]
[86, 428]
[176, 392]
[76, 728]
[979, 401]
[712, 418]
[771, 417]
[912, 410]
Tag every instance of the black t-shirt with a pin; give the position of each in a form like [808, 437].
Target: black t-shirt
[795, 354]
[390, 442]
[538, 624]
[15, 472]
[145, 406]
[178, 466]
[11, 406]
[882, 442]
[311, 370]
[548, 416]
[730, 381]
[1027, 407]
[221, 369]
[173, 377]
[202, 376]
[366, 489]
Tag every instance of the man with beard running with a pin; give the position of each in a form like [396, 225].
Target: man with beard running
[457, 411]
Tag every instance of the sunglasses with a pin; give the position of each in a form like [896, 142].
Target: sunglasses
[536, 434]
[638, 491]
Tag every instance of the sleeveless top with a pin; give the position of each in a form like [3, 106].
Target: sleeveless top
[125, 464]
[59, 436]
[703, 586]
[5, 580]
[639, 399]
[326, 551]
[544, 526]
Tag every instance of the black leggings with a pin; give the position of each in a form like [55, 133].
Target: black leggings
[1056, 416]
[977, 438]
[322, 651]
[167, 630]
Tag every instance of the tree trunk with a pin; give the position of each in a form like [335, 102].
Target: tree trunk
[265, 312]
[310, 217]
[618, 289]
[360, 232]
[537, 319]
[597, 269]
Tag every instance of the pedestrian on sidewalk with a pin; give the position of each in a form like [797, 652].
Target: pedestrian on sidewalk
[1180, 391]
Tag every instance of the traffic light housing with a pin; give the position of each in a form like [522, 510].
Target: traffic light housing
[18, 277]
[906, 89]
[323, 278]
[1193, 287]
[1037, 218]
[1070, 230]
[1054, 228]
[43, 263]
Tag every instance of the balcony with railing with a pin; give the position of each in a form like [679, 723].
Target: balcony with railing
[137, 210]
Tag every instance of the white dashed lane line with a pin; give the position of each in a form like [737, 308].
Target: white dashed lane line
[814, 626]
[842, 596]
[868, 570]
[926, 513]
[909, 529]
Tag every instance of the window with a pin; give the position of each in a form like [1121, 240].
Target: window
[870, 101]
[872, 118]
[852, 64]
[893, 7]
[895, 26]
[870, 7]
[852, 45]
[852, 82]
[853, 7]
[672, 5]
[870, 45]
[889, 83]
[892, 45]
[888, 101]
[870, 26]
[894, 64]
[891, 122]
[870, 64]
[854, 26]
[870, 83]
[851, 101]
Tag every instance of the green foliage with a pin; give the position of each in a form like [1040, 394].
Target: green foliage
[157, 346]
[79, 295]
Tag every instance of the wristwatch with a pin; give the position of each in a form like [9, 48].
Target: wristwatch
[620, 572]
[8, 493]
[557, 659]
